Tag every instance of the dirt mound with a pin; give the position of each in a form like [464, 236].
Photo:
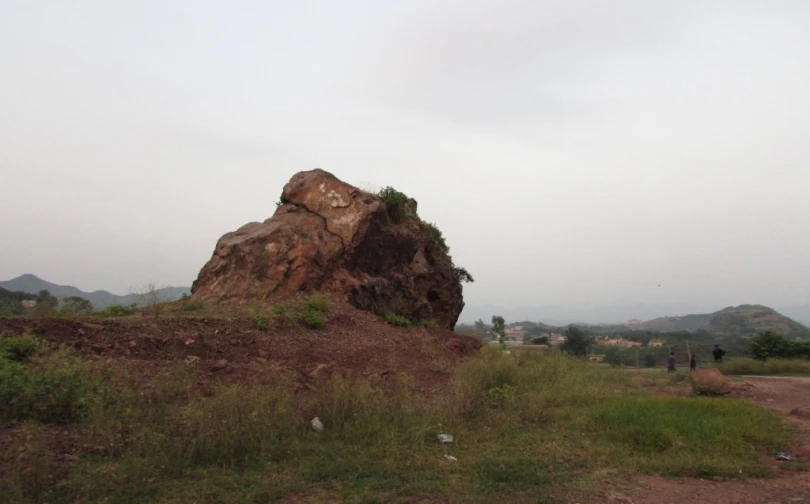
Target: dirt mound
[328, 235]
[710, 382]
[237, 350]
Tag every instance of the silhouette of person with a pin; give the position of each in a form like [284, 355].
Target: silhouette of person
[718, 354]
[671, 362]
[692, 363]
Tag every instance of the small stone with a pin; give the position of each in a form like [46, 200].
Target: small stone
[219, 365]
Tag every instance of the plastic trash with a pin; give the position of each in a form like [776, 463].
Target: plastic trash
[783, 456]
[317, 425]
[444, 438]
[450, 458]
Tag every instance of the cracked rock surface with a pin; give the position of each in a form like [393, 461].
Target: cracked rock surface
[330, 236]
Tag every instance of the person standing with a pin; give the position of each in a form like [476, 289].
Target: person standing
[671, 363]
[692, 363]
[718, 354]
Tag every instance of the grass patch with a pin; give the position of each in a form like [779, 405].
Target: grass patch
[397, 320]
[527, 427]
[684, 436]
[308, 312]
[742, 366]
[192, 305]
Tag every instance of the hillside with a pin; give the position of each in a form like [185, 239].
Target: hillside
[743, 320]
[32, 284]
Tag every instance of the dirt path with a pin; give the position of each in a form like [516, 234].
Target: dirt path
[791, 398]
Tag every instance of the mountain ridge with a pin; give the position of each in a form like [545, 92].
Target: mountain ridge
[32, 284]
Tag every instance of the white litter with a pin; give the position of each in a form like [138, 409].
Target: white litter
[317, 425]
[444, 438]
[450, 458]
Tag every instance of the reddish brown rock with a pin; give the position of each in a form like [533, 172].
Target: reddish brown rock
[710, 382]
[330, 236]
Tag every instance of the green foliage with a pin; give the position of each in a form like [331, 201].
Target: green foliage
[650, 360]
[499, 328]
[769, 345]
[613, 356]
[462, 275]
[11, 302]
[501, 395]
[75, 305]
[677, 435]
[318, 303]
[577, 341]
[18, 349]
[395, 203]
[514, 416]
[307, 312]
[437, 236]
[118, 310]
[311, 319]
[54, 389]
[397, 320]
[261, 323]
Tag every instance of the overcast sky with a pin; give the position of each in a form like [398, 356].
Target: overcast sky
[573, 152]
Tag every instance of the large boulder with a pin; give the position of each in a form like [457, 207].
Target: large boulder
[330, 236]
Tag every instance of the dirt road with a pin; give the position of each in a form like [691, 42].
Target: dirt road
[788, 396]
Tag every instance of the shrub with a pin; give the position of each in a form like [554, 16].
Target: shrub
[118, 310]
[307, 312]
[397, 320]
[56, 389]
[318, 302]
[437, 236]
[261, 323]
[18, 349]
[394, 203]
[462, 275]
[311, 319]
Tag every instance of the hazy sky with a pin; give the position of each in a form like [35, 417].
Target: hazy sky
[573, 152]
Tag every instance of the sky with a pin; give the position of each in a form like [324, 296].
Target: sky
[574, 153]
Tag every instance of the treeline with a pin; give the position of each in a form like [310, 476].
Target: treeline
[771, 345]
[11, 304]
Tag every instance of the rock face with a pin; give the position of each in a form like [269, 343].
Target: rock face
[330, 236]
[710, 382]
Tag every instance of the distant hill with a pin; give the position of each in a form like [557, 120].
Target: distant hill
[32, 284]
[743, 320]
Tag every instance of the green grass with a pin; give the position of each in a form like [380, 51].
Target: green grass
[528, 428]
[308, 312]
[397, 320]
[686, 436]
[741, 366]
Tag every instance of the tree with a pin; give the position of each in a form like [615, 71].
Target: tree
[769, 344]
[76, 304]
[649, 360]
[541, 340]
[46, 303]
[577, 341]
[613, 356]
[499, 327]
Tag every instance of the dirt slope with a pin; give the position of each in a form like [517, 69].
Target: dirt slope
[236, 350]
